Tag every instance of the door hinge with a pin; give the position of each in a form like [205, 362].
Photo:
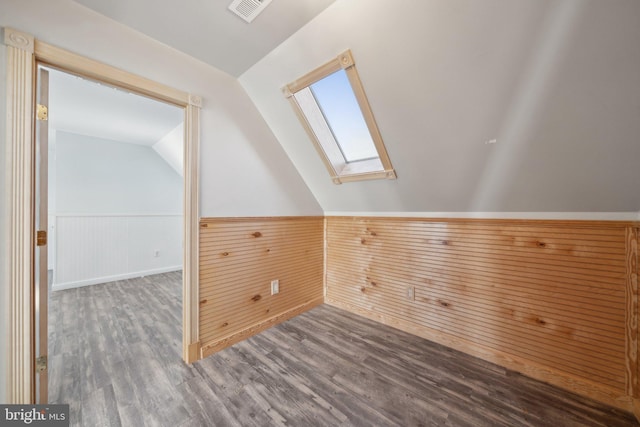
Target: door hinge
[42, 112]
[41, 364]
[41, 238]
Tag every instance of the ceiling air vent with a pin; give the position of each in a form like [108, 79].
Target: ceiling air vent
[248, 9]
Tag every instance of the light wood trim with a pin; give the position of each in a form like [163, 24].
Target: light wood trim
[324, 156]
[596, 225]
[194, 352]
[19, 143]
[312, 77]
[191, 203]
[385, 174]
[562, 379]
[242, 220]
[227, 341]
[86, 67]
[367, 113]
[324, 256]
[338, 170]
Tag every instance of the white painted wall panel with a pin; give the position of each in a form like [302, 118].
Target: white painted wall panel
[97, 249]
[151, 234]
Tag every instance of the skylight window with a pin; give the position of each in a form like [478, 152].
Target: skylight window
[342, 113]
[331, 104]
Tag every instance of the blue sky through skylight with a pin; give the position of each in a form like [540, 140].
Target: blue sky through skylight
[342, 112]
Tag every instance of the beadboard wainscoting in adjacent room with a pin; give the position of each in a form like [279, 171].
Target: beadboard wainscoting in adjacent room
[91, 249]
[555, 300]
[239, 259]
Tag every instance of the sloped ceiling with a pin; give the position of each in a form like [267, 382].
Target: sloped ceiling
[84, 107]
[206, 30]
[556, 83]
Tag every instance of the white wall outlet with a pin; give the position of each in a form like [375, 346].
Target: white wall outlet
[275, 286]
[411, 293]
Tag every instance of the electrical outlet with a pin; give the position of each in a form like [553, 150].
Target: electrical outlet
[275, 286]
[411, 293]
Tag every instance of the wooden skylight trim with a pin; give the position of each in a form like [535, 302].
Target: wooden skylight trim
[340, 170]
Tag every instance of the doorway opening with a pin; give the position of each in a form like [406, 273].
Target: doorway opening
[114, 185]
[24, 52]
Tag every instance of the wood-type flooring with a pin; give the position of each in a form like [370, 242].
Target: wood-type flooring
[115, 357]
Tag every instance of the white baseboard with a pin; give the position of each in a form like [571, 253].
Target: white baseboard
[106, 279]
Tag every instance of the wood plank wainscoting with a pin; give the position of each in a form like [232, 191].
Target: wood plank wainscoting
[555, 300]
[239, 257]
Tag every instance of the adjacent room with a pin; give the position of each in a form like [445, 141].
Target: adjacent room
[322, 212]
[115, 166]
[115, 184]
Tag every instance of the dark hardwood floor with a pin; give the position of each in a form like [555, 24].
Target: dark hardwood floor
[115, 358]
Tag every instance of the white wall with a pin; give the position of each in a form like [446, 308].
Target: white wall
[171, 148]
[118, 211]
[97, 176]
[557, 83]
[244, 171]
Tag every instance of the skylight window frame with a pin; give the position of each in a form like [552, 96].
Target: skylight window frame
[328, 148]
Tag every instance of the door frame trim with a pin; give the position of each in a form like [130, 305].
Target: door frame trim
[19, 144]
[23, 52]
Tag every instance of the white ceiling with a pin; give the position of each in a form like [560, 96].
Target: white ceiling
[89, 108]
[207, 30]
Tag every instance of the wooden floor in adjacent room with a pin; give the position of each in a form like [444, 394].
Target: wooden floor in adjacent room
[115, 357]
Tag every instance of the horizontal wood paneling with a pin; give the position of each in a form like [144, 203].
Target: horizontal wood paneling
[551, 294]
[239, 257]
